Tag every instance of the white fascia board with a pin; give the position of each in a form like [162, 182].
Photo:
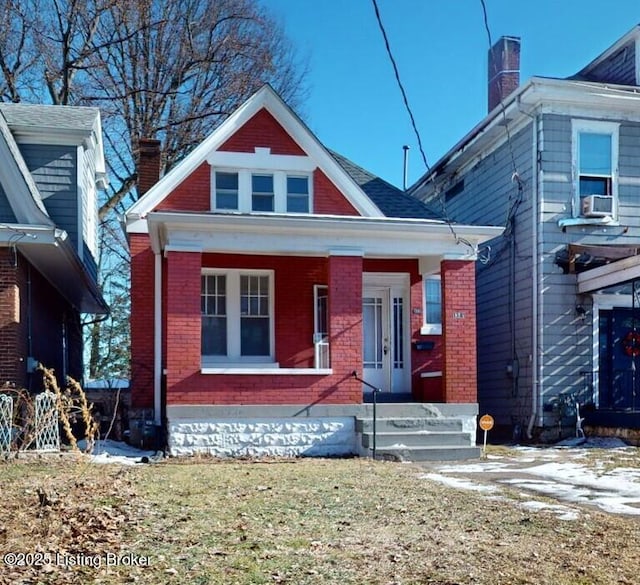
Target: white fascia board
[268, 99]
[13, 234]
[261, 161]
[609, 275]
[315, 235]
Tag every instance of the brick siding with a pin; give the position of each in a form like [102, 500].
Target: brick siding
[459, 330]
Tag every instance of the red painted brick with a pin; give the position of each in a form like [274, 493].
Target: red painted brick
[264, 131]
[459, 331]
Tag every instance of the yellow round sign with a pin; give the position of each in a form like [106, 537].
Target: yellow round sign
[486, 422]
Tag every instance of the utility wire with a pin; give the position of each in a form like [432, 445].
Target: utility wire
[405, 99]
[399, 82]
[515, 176]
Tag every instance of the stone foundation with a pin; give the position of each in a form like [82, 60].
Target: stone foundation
[288, 437]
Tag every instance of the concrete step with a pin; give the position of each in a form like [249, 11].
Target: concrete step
[417, 439]
[450, 453]
[419, 410]
[409, 424]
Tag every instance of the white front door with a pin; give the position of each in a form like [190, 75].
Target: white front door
[384, 340]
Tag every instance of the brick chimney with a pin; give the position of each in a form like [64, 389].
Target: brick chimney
[504, 69]
[149, 163]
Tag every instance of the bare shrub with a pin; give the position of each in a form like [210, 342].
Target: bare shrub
[72, 408]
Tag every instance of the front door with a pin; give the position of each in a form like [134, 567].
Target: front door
[384, 339]
[619, 364]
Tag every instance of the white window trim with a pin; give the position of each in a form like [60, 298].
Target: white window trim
[594, 127]
[245, 190]
[234, 359]
[429, 328]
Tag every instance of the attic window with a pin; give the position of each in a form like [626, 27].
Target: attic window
[249, 191]
[262, 195]
[226, 191]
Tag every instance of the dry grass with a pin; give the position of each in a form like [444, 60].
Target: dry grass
[297, 522]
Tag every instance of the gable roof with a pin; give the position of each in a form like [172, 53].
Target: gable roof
[77, 124]
[633, 36]
[393, 202]
[264, 98]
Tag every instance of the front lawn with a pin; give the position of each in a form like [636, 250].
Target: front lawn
[306, 521]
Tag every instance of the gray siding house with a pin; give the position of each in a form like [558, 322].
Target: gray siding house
[557, 162]
[51, 168]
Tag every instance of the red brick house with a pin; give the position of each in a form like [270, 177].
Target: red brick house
[267, 269]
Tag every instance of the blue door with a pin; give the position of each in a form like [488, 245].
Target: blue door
[619, 363]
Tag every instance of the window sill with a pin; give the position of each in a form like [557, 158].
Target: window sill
[259, 371]
[577, 221]
[431, 330]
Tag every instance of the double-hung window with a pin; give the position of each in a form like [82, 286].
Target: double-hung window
[226, 191]
[262, 193]
[595, 161]
[432, 310]
[297, 194]
[237, 316]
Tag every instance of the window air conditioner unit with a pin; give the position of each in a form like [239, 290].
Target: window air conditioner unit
[597, 206]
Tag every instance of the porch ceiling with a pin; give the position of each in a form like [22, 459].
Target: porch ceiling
[314, 235]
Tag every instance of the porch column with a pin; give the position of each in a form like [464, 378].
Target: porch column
[459, 331]
[142, 325]
[345, 323]
[183, 319]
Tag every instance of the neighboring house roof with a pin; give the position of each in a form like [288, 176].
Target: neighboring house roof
[392, 201]
[572, 92]
[264, 98]
[562, 94]
[82, 125]
[633, 36]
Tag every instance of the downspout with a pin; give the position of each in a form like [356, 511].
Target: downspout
[536, 218]
[157, 341]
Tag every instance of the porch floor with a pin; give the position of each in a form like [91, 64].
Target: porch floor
[389, 397]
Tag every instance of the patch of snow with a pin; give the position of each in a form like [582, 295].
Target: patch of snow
[476, 467]
[563, 512]
[109, 451]
[462, 484]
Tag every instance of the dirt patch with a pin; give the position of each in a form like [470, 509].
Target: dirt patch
[298, 522]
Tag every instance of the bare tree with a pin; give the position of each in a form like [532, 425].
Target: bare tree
[176, 69]
[171, 70]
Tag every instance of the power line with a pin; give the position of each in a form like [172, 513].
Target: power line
[405, 99]
[399, 82]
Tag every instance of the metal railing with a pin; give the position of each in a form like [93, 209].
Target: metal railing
[375, 401]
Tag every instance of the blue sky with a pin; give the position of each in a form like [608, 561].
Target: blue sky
[354, 104]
